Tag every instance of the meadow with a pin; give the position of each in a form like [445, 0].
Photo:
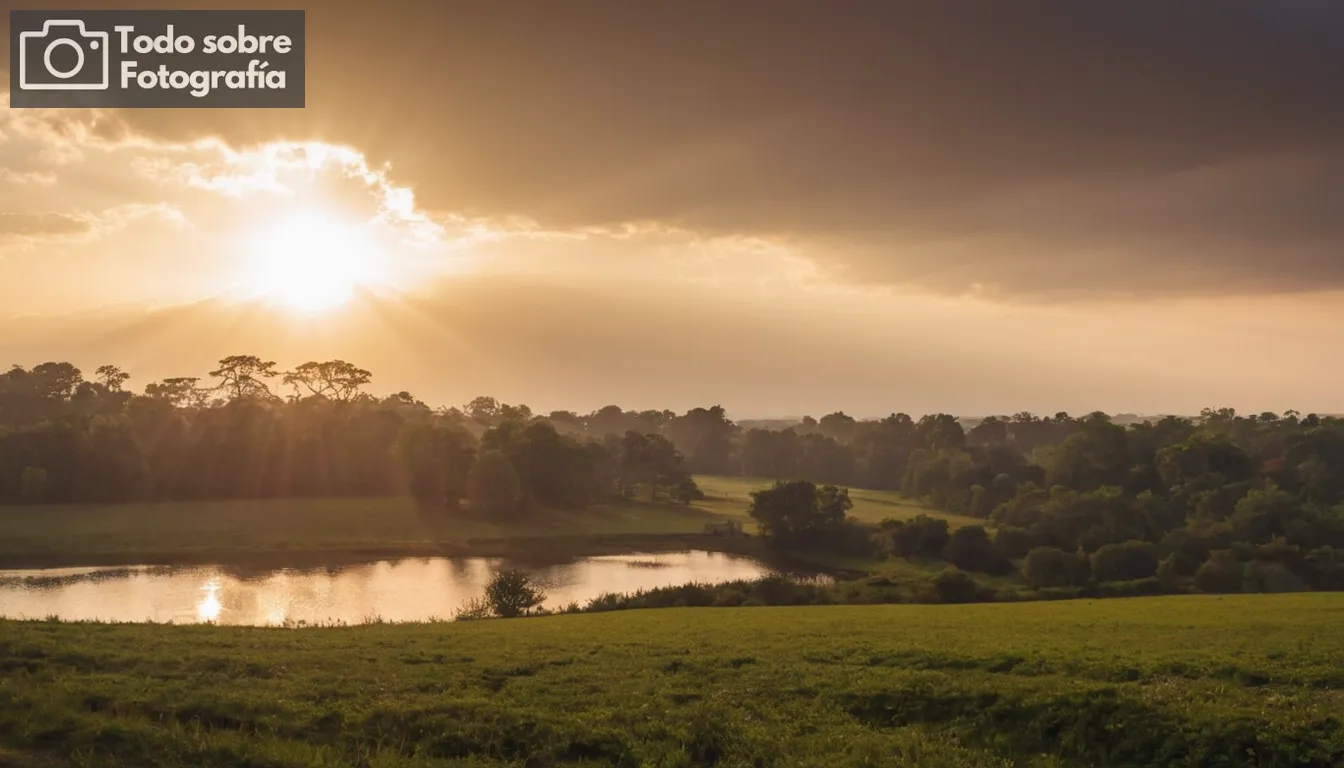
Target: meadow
[294, 529]
[1247, 680]
[730, 497]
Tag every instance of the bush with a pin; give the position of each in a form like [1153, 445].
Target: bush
[687, 491]
[1013, 542]
[1129, 561]
[1272, 577]
[1169, 571]
[971, 549]
[922, 536]
[1051, 567]
[475, 609]
[953, 585]
[511, 593]
[1221, 573]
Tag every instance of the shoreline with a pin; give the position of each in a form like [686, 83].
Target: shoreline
[531, 550]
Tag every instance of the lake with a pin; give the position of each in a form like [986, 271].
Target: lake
[411, 589]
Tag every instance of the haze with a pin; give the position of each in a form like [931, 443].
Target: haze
[774, 206]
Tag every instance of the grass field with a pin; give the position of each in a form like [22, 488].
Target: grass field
[1182, 681]
[729, 496]
[167, 532]
[211, 530]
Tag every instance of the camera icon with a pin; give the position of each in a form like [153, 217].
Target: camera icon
[44, 61]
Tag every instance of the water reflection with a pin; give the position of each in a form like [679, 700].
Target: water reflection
[403, 590]
[209, 607]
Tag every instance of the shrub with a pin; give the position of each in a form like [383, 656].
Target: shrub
[1169, 571]
[1051, 567]
[1221, 573]
[971, 549]
[953, 585]
[922, 536]
[1129, 561]
[511, 593]
[1013, 542]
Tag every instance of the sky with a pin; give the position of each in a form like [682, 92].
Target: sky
[773, 205]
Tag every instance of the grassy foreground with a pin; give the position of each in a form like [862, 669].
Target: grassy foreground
[290, 529]
[1245, 680]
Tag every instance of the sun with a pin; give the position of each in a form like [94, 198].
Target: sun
[311, 261]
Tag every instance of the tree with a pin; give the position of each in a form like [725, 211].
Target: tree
[1266, 513]
[704, 436]
[952, 585]
[651, 461]
[511, 593]
[922, 536]
[939, 432]
[493, 486]
[1169, 571]
[1051, 567]
[1096, 455]
[990, 431]
[56, 381]
[838, 426]
[244, 376]
[111, 377]
[971, 549]
[1013, 542]
[436, 459]
[181, 392]
[792, 513]
[686, 491]
[1221, 573]
[1126, 561]
[483, 409]
[335, 380]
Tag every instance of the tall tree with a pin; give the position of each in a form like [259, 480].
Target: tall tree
[245, 376]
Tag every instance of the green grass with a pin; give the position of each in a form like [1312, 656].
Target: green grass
[730, 496]
[1245, 680]
[172, 532]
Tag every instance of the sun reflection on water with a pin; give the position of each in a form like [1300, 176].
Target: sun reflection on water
[410, 589]
[209, 607]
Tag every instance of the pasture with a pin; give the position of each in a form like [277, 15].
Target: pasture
[730, 496]
[203, 531]
[1247, 680]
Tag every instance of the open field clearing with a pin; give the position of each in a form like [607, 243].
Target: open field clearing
[1245, 680]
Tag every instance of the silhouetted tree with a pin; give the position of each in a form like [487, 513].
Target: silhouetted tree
[493, 487]
[791, 513]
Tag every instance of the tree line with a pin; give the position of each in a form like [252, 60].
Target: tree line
[1067, 499]
[1219, 503]
[251, 430]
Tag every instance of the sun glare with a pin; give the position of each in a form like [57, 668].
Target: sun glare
[312, 261]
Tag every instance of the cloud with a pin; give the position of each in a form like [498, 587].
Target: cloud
[25, 231]
[39, 178]
[41, 224]
[64, 135]
[1033, 150]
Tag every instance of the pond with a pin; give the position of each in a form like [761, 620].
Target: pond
[411, 589]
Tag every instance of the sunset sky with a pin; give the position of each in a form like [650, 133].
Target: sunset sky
[781, 207]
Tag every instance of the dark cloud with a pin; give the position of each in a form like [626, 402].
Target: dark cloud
[1031, 147]
[40, 224]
